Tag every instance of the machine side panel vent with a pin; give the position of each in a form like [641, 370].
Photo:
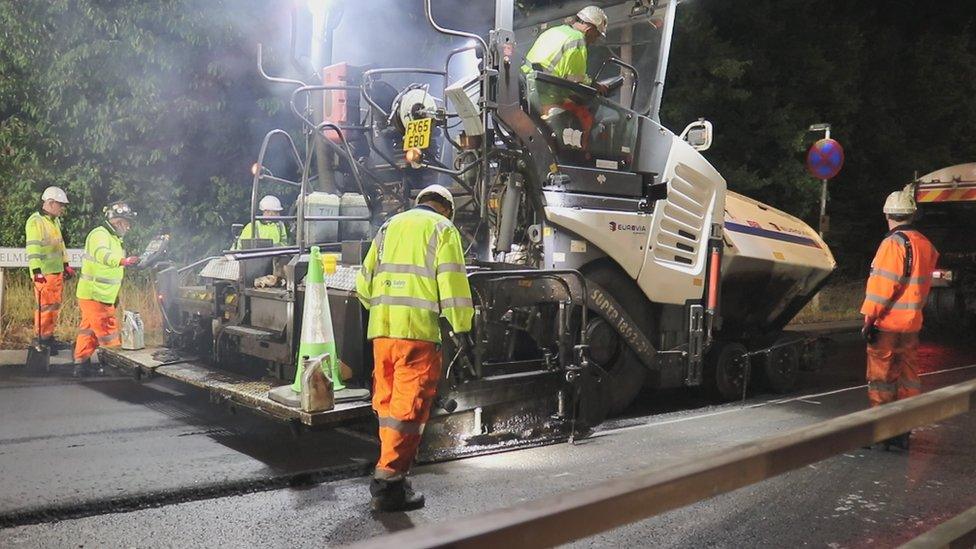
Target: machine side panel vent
[685, 218]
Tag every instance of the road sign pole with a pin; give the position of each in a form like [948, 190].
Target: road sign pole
[823, 206]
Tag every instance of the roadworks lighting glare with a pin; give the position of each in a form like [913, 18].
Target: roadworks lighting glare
[639, 10]
[413, 156]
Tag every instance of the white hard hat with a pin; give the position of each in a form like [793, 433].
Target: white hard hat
[270, 202]
[594, 16]
[440, 191]
[900, 202]
[56, 194]
[120, 210]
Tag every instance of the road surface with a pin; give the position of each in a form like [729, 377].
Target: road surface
[156, 465]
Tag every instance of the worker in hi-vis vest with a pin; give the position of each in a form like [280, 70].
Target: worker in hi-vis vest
[561, 51]
[102, 268]
[901, 276]
[413, 275]
[272, 230]
[47, 261]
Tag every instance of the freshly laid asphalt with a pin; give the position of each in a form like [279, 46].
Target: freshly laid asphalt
[156, 465]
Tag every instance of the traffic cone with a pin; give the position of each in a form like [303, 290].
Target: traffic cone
[317, 335]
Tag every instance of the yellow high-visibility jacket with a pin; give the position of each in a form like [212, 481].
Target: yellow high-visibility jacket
[412, 275]
[45, 246]
[101, 273]
[560, 51]
[274, 231]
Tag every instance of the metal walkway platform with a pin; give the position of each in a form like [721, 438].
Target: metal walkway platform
[249, 393]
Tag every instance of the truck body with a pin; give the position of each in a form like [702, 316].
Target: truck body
[946, 201]
[607, 253]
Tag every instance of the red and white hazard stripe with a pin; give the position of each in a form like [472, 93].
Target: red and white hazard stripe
[951, 194]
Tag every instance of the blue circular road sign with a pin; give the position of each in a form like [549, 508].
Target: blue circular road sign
[825, 159]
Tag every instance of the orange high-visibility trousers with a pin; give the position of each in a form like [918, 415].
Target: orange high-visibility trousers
[405, 377]
[98, 327]
[48, 295]
[893, 367]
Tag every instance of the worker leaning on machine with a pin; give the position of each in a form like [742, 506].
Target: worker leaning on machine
[47, 260]
[102, 268]
[413, 275]
[272, 230]
[562, 51]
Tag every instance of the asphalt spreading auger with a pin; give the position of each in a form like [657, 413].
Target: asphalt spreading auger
[606, 253]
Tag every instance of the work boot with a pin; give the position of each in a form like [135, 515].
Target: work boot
[898, 442]
[48, 343]
[901, 441]
[393, 496]
[83, 368]
[52, 347]
[60, 345]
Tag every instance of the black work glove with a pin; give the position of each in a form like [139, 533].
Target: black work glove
[869, 332]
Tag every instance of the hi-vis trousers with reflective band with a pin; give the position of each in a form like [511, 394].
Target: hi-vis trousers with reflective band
[98, 328]
[893, 367]
[48, 295]
[405, 376]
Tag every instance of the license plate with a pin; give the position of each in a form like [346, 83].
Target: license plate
[418, 134]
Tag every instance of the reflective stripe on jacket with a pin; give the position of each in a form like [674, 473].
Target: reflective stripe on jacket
[101, 274]
[414, 273]
[274, 231]
[561, 52]
[45, 246]
[901, 276]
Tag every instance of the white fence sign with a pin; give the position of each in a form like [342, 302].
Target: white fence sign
[17, 257]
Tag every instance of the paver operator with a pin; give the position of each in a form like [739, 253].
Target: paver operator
[47, 260]
[901, 276]
[102, 268]
[412, 275]
[272, 230]
[561, 51]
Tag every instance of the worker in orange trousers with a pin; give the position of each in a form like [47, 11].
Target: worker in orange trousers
[413, 275]
[901, 276]
[47, 260]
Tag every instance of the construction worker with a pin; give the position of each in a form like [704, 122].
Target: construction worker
[413, 274]
[273, 230]
[47, 260]
[901, 276]
[561, 51]
[102, 268]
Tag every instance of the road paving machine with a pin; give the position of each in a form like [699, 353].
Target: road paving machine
[605, 252]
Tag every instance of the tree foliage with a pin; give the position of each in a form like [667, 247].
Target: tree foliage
[159, 103]
[152, 102]
[894, 79]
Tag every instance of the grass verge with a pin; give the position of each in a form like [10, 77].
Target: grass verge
[838, 301]
[17, 325]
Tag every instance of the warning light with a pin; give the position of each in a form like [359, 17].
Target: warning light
[413, 156]
[255, 168]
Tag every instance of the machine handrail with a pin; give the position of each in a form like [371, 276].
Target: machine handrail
[565, 517]
[258, 175]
